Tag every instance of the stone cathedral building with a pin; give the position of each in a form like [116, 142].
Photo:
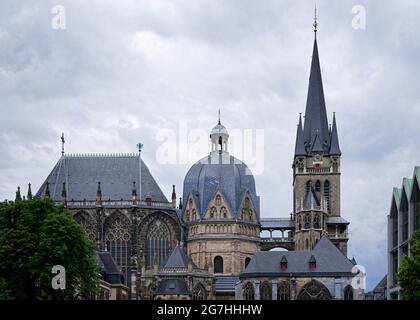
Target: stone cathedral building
[209, 244]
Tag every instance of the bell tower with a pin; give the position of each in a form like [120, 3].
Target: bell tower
[316, 166]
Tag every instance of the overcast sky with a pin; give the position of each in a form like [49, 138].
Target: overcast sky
[123, 71]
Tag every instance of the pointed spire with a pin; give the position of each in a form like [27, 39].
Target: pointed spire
[180, 203]
[29, 195]
[47, 190]
[317, 145]
[99, 194]
[300, 143]
[173, 197]
[335, 146]
[315, 113]
[64, 194]
[62, 144]
[219, 123]
[18, 195]
[315, 23]
[134, 193]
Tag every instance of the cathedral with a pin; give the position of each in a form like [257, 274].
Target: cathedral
[208, 244]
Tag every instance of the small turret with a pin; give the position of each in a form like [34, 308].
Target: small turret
[99, 194]
[173, 197]
[29, 195]
[18, 195]
[47, 190]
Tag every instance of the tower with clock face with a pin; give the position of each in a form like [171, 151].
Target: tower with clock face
[316, 171]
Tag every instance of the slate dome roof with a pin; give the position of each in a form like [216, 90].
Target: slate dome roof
[233, 179]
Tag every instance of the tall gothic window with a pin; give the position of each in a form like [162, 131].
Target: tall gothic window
[314, 290]
[283, 291]
[308, 185]
[117, 237]
[327, 194]
[265, 291]
[317, 221]
[348, 293]
[318, 186]
[199, 292]
[88, 224]
[307, 221]
[158, 243]
[249, 292]
[218, 264]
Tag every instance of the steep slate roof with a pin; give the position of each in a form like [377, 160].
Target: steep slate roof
[316, 137]
[116, 174]
[108, 267]
[234, 179]
[177, 259]
[335, 146]
[337, 220]
[300, 141]
[173, 287]
[276, 223]
[226, 283]
[330, 261]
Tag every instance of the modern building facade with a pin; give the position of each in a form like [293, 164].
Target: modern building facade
[403, 220]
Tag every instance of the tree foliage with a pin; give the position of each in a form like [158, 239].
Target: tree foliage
[36, 235]
[409, 271]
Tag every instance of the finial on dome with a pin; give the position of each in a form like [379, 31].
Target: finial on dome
[219, 117]
[315, 22]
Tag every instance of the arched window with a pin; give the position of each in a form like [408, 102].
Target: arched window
[306, 244]
[158, 243]
[249, 292]
[307, 221]
[283, 291]
[348, 293]
[317, 221]
[218, 200]
[117, 238]
[218, 264]
[250, 214]
[212, 212]
[199, 292]
[224, 212]
[265, 291]
[187, 215]
[318, 186]
[88, 223]
[299, 223]
[327, 194]
[314, 290]
[194, 215]
[308, 185]
[247, 260]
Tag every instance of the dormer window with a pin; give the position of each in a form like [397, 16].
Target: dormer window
[312, 263]
[283, 263]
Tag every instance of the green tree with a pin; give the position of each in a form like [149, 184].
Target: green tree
[35, 235]
[409, 271]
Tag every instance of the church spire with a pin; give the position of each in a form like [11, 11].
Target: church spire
[335, 146]
[316, 123]
[299, 146]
